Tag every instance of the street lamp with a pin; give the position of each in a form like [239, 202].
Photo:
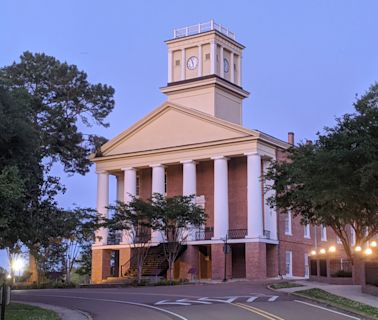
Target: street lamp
[332, 249]
[17, 265]
[322, 251]
[313, 253]
[373, 244]
[368, 251]
[358, 249]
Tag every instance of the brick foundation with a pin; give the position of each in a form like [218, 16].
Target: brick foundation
[100, 265]
[124, 260]
[217, 263]
[255, 258]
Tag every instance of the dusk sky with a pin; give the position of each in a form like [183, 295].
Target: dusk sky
[304, 61]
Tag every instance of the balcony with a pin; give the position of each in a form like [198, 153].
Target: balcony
[202, 27]
[204, 234]
[237, 233]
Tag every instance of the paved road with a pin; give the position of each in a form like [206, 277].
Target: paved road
[229, 301]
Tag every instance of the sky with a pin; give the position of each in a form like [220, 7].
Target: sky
[304, 62]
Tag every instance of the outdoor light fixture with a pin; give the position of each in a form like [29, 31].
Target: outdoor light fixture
[313, 253]
[322, 251]
[18, 265]
[373, 244]
[358, 249]
[368, 251]
[332, 249]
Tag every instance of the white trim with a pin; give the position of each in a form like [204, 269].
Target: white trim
[288, 217]
[290, 255]
[323, 233]
[307, 231]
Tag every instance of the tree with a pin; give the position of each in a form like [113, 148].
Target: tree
[134, 219]
[62, 101]
[173, 217]
[54, 100]
[334, 181]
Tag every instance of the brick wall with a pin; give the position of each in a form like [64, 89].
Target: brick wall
[237, 192]
[100, 265]
[174, 180]
[205, 186]
[255, 259]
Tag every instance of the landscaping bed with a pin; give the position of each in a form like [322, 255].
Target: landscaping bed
[286, 284]
[339, 302]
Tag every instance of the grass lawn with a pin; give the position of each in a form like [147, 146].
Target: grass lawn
[286, 284]
[17, 311]
[340, 302]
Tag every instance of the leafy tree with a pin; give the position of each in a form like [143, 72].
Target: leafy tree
[45, 103]
[134, 219]
[173, 216]
[335, 180]
[62, 101]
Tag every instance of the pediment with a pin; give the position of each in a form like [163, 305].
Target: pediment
[173, 126]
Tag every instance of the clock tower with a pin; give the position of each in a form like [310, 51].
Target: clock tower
[205, 71]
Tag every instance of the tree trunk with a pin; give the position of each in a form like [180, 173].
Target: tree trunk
[171, 270]
[33, 269]
[140, 267]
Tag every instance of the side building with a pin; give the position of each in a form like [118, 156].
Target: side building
[195, 143]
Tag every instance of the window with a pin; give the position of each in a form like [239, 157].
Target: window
[288, 224]
[137, 191]
[307, 231]
[306, 266]
[177, 62]
[353, 237]
[338, 240]
[165, 181]
[289, 263]
[207, 56]
[323, 233]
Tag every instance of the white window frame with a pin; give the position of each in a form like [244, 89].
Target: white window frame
[306, 231]
[323, 233]
[288, 224]
[306, 266]
[353, 237]
[289, 254]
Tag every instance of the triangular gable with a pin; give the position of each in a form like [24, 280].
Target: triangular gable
[170, 126]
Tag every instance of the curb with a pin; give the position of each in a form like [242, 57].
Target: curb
[63, 313]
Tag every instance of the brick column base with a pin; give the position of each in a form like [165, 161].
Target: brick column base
[255, 259]
[217, 263]
[100, 265]
[124, 260]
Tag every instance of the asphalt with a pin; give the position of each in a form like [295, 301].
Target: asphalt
[228, 301]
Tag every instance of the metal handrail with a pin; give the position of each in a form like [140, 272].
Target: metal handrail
[237, 233]
[202, 27]
[204, 234]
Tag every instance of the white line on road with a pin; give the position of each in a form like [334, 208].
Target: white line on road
[193, 301]
[119, 301]
[251, 299]
[329, 310]
[272, 298]
[176, 303]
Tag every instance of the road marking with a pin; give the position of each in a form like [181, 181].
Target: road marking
[164, 302]
[329, 310]
[119, 301]
[219, 299]
[193, 301]
[251, 299]
[258, 311]
[273, 298]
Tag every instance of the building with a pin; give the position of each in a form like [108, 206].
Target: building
[195, 143]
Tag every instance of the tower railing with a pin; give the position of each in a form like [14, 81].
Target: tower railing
[202, 27]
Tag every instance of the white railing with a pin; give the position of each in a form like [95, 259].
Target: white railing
[202, 27]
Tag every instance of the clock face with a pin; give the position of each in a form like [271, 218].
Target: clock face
[226, 65]
[192, 63]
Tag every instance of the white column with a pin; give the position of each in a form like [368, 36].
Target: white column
[169, 66]
[240, 71]
[232, 69]
[129, 184]
[129, 190]
[120, 187]
[102, 203]
[158, 186]
[200, 60]
[254, 196]
[189, 187]
[270, 213]
[220, 197]
[213, 57]
[221, 63]
[183, 64]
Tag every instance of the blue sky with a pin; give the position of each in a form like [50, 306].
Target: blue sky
[304, 61]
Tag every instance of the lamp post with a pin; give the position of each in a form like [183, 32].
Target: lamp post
[225, 250]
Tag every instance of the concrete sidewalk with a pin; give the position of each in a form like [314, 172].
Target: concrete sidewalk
[352, 292]
[63, 313]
